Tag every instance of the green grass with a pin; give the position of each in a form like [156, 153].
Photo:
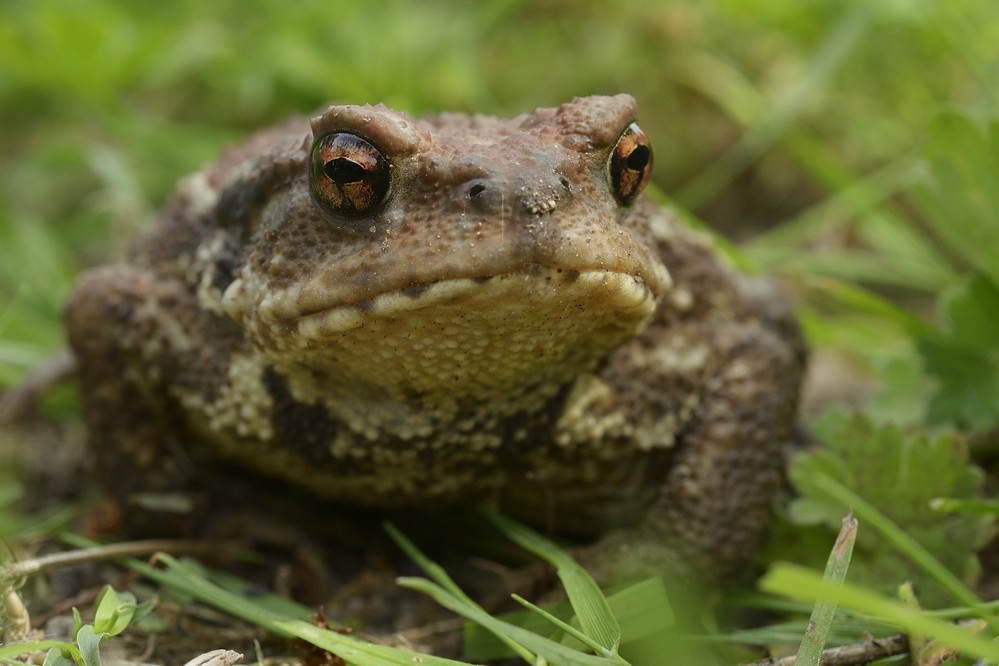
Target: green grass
[851, 147]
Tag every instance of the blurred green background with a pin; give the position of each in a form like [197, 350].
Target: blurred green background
[797, 124]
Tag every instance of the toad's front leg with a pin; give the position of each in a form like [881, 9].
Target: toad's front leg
[728, 454]
[139, 339]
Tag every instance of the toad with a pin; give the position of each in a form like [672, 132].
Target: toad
[399, 312]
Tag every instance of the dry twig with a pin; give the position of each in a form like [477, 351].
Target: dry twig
[855, 654]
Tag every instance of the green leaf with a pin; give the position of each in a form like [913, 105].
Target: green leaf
[77, 622]
[144, 609]
[57, 657]
[89, 643]
[964, 357]
[114, 611]
[899, 474]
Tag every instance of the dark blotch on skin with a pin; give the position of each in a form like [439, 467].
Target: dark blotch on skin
[305, 429]
[570, 276]
[225, 267]
[240, 202]
[416, 290]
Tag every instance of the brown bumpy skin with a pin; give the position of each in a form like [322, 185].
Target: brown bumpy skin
[425, 313]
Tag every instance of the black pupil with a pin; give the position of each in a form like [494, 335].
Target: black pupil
[639, 158]
[342, 170]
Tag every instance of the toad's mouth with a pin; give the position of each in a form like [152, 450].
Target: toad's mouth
[457, 342]
[534, 293]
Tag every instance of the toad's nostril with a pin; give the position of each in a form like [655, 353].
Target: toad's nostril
[483, 195]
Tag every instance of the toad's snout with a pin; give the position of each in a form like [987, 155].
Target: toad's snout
[534, 196]
[488, 182]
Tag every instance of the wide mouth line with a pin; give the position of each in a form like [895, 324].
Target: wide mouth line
[418, 290]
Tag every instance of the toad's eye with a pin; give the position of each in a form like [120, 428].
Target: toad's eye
[349, 176]
[630, 164]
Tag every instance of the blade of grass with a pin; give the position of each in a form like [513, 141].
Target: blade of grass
[856, 197]
[642, 608]
[830, 55]
[988, 507]
[559, 624]
[797, 582]
[868, 302]
[552, 651]
[588, 601]
[821, 620]
[905, 544]
[190, 581]
[352, 649]
[961, 612]
[441, 578]
[8, 652]
[917, 642]
[269, 600]
[862, 207]
[434, 570]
